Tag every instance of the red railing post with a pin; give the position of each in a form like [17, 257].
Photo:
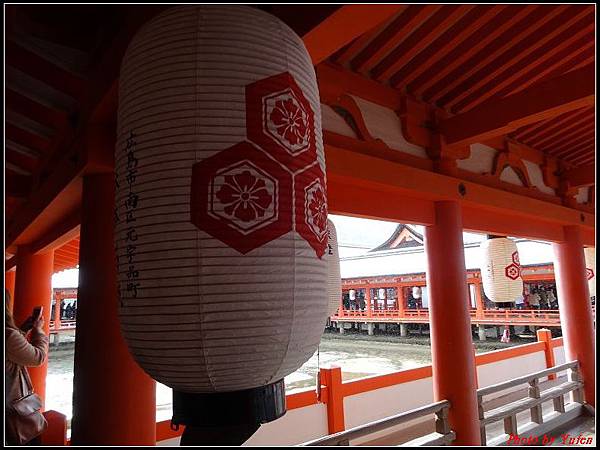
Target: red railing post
[331, 379]
[56, 433]
[368, 300]
[544, 335]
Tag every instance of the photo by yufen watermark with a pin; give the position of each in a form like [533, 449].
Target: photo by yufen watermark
[546, 439]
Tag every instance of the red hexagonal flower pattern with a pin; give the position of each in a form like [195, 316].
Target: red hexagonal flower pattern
[515, 258]
[589, 273]
[241, 197]
[311, 207]
[280, 120]
[513, 271]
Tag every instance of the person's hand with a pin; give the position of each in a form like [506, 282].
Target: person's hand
[39, 324]
[27, 325]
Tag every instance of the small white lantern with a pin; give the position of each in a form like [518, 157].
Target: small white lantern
[221, 210]
[381, 293]
[352, 294]
[334, 278]
[501, 271]
[590, 269]
[416, 292]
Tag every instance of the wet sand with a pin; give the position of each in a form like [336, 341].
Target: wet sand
[356, 353]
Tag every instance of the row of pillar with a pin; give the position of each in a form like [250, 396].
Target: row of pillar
[453, 363]
[114, 400]
[479, 304]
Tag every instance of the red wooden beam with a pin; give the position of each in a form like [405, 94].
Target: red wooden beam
[568, 92]
[581, 176]
[22, 161]
[42, 69]
[567, 148]
[343, 26]
[335, 81]
[24, 137]
[554, 53]
[392, 35]
[60, 193]
[346, 54]
[34, 110]
[17, 185]
[392, 181]
[518, 54]
[476, 19]
[59, 235]
[567, 136]
[419, 39]
[552, 127]
[467, 57]
[577, 59]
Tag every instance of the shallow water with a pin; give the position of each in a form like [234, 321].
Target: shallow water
[357, 358]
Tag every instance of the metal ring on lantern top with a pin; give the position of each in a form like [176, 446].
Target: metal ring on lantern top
[221, 208]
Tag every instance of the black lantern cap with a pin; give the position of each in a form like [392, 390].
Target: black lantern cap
[227, 418]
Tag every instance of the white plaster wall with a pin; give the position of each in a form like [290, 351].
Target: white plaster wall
[582, 195]
[509, 175]
[383, 123]
[480, 161]
[559, 358]
[304, 424]
[378, 404]
[505, 370]
[536, 177]
[295, 427]
[332, 121]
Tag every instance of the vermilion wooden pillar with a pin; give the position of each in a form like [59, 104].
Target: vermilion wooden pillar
[452, 358]
[400, 299]
[479, 300]
[114, 401]
[368, 301]
[575, 307]
[33, 287]
[9, 285]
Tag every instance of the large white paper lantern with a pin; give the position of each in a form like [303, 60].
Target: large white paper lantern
[501, 270]
[334, 278]
[221, 200]
[352, 294]
[416, 292]
[590, 269]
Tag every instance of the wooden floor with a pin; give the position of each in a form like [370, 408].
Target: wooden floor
[584, 427]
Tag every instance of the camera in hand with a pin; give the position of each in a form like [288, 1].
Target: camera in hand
[37, 313]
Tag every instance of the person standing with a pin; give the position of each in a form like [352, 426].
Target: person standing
[519, 302]
[20, 354]
[534, 300]
[552, 302]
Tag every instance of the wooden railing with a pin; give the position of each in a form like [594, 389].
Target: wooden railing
[488, 316]
[533, 402]
[64, 325]
[443, 434]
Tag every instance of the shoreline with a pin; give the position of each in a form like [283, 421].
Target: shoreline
[420, 339]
